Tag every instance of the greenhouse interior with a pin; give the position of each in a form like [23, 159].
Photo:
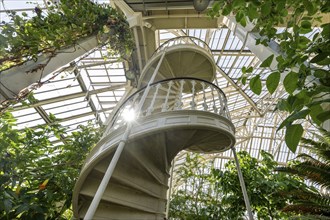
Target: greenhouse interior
[173, 109]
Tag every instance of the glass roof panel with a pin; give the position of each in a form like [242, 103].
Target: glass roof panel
[89, 94]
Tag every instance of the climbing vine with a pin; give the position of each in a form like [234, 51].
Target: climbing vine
[303, 63]
[60, 26]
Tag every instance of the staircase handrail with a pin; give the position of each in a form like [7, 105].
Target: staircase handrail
[183, 40]
[220, 98]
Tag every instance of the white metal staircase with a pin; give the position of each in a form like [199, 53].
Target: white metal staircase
[180, 110]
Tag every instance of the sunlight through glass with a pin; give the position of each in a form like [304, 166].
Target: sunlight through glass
[129, 114]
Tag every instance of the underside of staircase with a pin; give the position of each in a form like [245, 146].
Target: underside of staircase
[180, 110]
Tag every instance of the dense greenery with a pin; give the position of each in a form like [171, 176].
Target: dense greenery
[303, 63]
[59, 26]
[215, 194]
[315, 169]
[36, 176]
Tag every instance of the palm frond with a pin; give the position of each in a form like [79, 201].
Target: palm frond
[309, 217]
[322, 199]
[313, 170]
[325, 136]
[320, 145]
[308, 208]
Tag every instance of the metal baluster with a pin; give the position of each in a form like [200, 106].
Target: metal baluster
[165, 105]
[222, 106]
[226, 109]
[179, 100]
[151, 107]
[215, 110]
[193, 103]
[204, 98]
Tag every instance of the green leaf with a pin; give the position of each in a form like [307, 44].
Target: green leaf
[214, 11]
[309, 7]
[243, 69]
[293, 135]
[243, 21]
[22, 208]
[238, 3]
[255, 85]
[267, 62]
[8, 205]
[291, 82]
[303, 42]
[239, 16]
[321, 73]
[244, 78]
[323, 116]
[252, 12]
[226, 10]
[249, 70]
[326, 30]
[315, 111]
[266, 8]
[306, 24]
[294, 116]
[318, 58]
[272, 81]
[324, 62]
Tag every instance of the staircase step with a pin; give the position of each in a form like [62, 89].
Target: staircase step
[147, 187]
[134, 177]
[125, 196]
[167, 69]
[200, 65]
[187, 59]
[149, 153]
[106, 211]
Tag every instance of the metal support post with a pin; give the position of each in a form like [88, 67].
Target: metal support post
[104, 183]
[106, 178]
[170, 190]
[242, 183]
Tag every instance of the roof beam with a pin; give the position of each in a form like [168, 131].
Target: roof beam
[71, 96]
[240, 90]
[15, 79]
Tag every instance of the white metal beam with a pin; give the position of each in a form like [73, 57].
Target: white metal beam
[19, 77]
[245, 34]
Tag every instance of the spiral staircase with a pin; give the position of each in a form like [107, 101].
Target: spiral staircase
[180, 110]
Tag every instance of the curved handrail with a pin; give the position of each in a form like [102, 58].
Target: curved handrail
[185, 93]
[181, 41]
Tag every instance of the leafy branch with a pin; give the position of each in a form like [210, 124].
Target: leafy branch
[304, 62]
[61, 26]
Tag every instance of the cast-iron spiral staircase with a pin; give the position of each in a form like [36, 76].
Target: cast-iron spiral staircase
[180, 110]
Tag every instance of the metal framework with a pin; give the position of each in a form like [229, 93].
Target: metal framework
[91, 88]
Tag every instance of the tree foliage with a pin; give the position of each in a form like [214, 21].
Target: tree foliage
[303, 62]
[36, 176]
[208, 193]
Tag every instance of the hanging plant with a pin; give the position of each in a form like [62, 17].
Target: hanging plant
[61, 26]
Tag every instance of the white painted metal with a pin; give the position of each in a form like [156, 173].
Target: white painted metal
[105, 180]
[164, 126]
[20, 77]
[186, 57]
[242, 183]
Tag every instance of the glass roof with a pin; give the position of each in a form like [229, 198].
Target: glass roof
[92, 88]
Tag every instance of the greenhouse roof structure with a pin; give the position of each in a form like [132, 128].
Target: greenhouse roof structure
[89, 87]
